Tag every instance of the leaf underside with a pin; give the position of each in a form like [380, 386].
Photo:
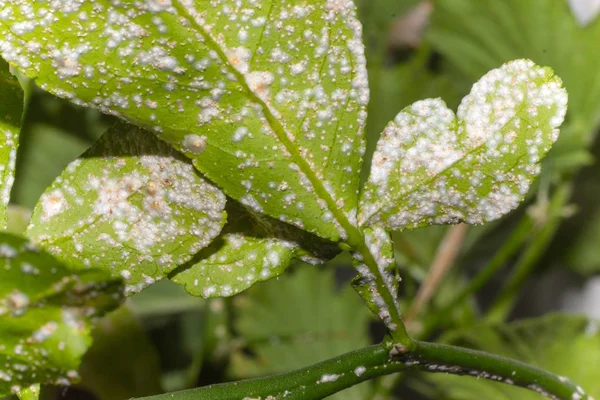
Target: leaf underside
[267, 97]
[130, 205]
[251, 248]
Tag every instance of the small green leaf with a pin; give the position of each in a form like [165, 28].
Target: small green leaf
[130, 205]
[432, 168]
[11, 113]
[297, 321]
[30, 393]
[270, 106]
[251, 248]
[563, 344]
[44, 315]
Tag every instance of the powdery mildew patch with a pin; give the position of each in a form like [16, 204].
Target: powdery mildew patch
[131, 205]
[433, 168]
[278, 88]
[251, 248]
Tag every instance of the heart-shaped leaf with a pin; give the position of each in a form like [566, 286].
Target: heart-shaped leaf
[44, 315]
[270, 105]
[11, 111]
[432, 168]
[252, 248]
[130, 205]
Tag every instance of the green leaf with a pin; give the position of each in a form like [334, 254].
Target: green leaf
[297, 321]
[563, 344]
[130, 205]
[252, 248]
[270, 106]
[30, 393]
[431, 167]
[11, 113]
[44, 315]
[122, 363]
[478, 35]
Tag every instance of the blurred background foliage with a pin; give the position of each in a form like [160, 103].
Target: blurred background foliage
[544, 257]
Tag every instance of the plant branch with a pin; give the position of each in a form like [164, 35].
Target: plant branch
[331, 376]
[444, 259]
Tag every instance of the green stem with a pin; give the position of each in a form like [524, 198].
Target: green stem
[507, 297]
[500, 258]
[331, 376]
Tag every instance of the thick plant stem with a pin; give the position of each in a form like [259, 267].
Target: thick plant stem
[331, 376]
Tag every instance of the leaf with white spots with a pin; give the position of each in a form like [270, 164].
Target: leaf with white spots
[131, 205]
[251, 248]
[11, 112]
[267, 97]
[432, 167]
[44, 315]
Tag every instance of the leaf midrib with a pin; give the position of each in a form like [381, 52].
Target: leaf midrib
[277, 127]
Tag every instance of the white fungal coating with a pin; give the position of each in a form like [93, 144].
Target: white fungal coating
[279, 84]
[194, 144]
[246, 252]
[325, 378]
[132, 206]
[433, 168]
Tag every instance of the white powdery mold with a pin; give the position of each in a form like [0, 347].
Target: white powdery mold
[136, 50]
[431, 167]
[143, 210]
[53, 203]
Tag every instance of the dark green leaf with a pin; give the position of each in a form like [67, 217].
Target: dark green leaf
[44, 315]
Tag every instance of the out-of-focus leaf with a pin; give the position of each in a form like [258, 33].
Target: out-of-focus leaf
[585, 11]
[44, 315]
[252, 248]
[30, 393]
[11, 114]
[122, 363]
[44, 153]
[130, 205]
[297, 321]
[176, 322]
[18, 218]
[563, 344]
[431, 167]
[584, 255]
